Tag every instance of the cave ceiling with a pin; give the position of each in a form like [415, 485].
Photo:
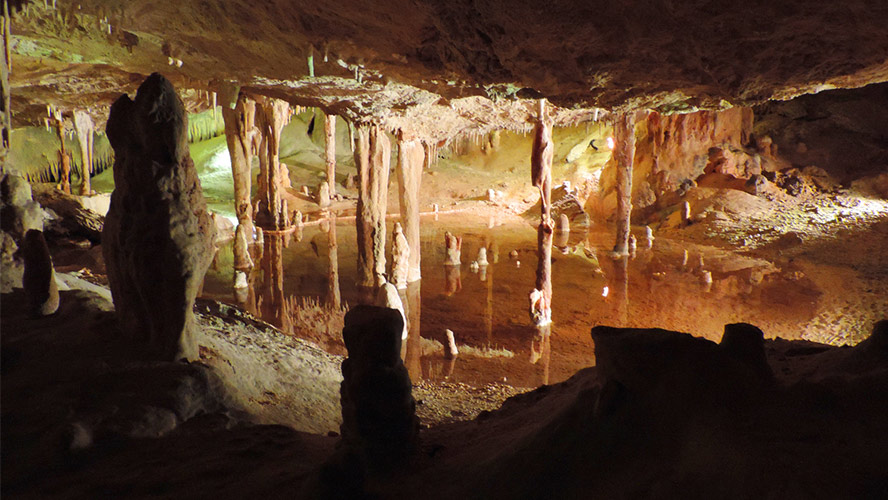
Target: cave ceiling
[447, 67]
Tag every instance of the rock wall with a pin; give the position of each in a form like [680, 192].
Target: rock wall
[672, 151]
[158, 236]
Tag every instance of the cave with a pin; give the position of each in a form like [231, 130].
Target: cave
[444, 249]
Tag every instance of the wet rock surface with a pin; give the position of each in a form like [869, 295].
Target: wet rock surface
[158, 236]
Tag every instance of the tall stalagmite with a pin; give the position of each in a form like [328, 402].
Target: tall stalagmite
[624, 153]
[541, 171]
[58, 122]
[273, 115]
[372, 157]
[330, 151]
[158, 237]
[411, 156]
[239, 132]
[85, 127]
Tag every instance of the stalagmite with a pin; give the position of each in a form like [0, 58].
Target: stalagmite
[379, 423]
[158, 236]
[271, 120]
[541, 172]
[242, 259]
[39, 277]
[240, 130]
[64, 160]
[624, 154]
[400, 257]
[482, 257]
[685, 214]
[330, 151]
[452, 351]
[452, 249]
[409, 170]
[84, 126]
[333, 295]
[648, 237]
[372, 157]
[324, 195]
[387, 296]
[633, 245]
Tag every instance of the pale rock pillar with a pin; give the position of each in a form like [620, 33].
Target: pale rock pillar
[411, 156]
[372, 158]
[624, 155]
[85, 128]
[330, 151]
[240, 127]
[273, 115]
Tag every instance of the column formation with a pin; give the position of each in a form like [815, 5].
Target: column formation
[239, 114]
[271, 116]
[624, 155]
[541, 170]
[411, 156]
[85, 128]
[372, 159]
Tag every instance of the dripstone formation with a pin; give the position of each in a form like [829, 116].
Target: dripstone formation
[379, 423]
[158, 236]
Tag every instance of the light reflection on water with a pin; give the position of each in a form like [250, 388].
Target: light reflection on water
[487, 309]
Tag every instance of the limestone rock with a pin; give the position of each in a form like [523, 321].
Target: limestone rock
[158, 236]
[379, 422]
[72, 219]
[324, 195]
[39, 278]
[400, 257]
[19, 212]
[453, 249]
[242, 259]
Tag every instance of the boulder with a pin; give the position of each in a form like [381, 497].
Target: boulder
[158, 235]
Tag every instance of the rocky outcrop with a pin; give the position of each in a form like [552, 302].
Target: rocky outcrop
[158, 236]
[69, 218]
[39, 278]
[666, 415]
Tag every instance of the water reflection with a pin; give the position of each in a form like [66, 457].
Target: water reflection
[661, 287]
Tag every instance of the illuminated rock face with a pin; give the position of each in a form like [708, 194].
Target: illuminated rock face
[158, 237]
[676, 149]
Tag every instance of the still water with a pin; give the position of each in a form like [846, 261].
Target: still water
[487, 308]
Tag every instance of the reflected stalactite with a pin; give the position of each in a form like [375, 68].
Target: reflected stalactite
[413, 306]
[452, 280]
[334, 299]
[620, 290]
[541, 350]
[272, 303]
[488, 310]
